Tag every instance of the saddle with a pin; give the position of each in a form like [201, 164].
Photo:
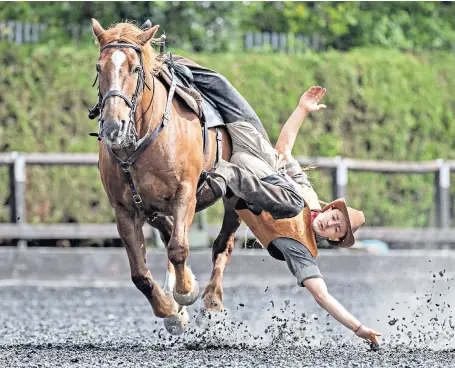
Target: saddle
[202, 105]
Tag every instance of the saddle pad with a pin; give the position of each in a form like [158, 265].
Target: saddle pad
[196, 101]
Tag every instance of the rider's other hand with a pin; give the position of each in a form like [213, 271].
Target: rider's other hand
[369, 334]
[310, 99]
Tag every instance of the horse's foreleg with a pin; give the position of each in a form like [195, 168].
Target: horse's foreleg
[221, 254]
[175, 324]
[186, 289]
[130, 230]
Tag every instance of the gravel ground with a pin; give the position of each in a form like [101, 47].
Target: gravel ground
[263, 326]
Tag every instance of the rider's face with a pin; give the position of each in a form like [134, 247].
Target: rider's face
[330, 224]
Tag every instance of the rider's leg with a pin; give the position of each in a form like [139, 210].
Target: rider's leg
[276, 193]
[255, 174]
[230, 103]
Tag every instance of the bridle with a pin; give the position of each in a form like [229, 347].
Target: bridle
[97, 110]
[141, 144]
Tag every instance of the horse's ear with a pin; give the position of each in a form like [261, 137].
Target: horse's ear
[97, 29]
[147, 35]
[146, 25]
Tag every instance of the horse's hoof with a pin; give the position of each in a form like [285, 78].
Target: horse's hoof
[177, 323]
[189, 298]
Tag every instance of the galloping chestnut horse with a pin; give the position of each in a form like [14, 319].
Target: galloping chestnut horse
[159, 178]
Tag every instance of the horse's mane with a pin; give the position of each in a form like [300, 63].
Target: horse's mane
[127, 33]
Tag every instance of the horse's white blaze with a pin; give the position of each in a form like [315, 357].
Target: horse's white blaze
[118, 58]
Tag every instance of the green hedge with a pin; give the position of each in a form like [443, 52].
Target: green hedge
[382, 104]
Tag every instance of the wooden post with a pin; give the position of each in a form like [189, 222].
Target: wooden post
[17, 190]
[442, 195]
[339, 178]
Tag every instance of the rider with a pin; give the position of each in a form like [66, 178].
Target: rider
[296, 240]
[255, 172]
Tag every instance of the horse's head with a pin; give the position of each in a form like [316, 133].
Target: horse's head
[125, 56]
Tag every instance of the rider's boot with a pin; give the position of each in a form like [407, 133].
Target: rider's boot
[276, 193]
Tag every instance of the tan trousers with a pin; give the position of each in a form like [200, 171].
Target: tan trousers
[252, 152]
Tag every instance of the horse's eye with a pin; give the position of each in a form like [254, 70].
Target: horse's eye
[137, 69]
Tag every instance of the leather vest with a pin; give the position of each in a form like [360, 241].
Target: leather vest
[266, 229]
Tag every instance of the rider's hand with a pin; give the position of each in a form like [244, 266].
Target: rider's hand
[368, 334]
[310, 99]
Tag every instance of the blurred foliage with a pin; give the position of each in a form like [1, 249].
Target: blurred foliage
[382, 104]
[218, 25]
[404, 25]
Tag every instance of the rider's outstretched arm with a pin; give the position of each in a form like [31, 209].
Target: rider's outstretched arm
[308, 103]
[318, 289]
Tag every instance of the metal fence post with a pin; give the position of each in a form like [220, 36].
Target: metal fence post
[442, 195]
[258, 41]
[35, 33]
[339, 178]
[17, 192]
[19, 35]
[249, 42]
[275, 41]
[27, 32]
[10, 31]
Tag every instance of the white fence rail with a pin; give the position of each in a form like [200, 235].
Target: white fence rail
[21, 231]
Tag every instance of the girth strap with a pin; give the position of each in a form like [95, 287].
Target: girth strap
[219, 148]
[205, 136]
[218, 155]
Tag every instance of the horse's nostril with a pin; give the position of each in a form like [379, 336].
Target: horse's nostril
[123, 125]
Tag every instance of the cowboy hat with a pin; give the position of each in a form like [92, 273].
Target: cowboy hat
[355, 220]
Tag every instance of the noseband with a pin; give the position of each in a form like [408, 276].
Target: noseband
[97, 110]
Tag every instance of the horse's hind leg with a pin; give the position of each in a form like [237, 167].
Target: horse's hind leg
[130, 230]
[186, 289]
[212, 298]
